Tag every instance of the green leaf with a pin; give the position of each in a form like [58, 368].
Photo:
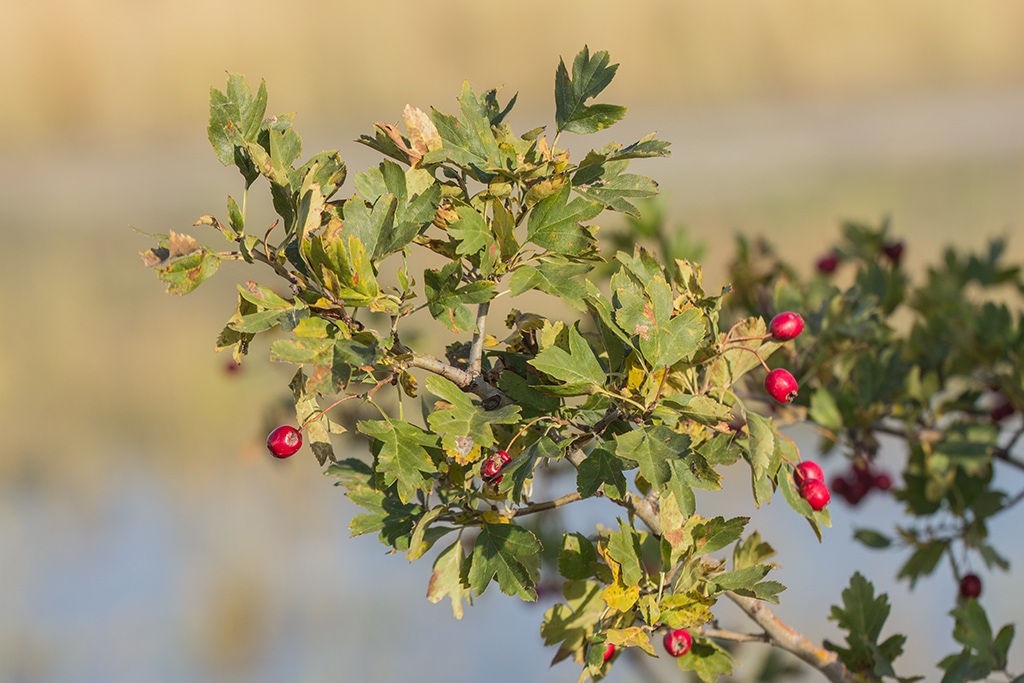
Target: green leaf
[234, 115]
[402, 456]
[612, 190]
[602, 467]
[716, 533]
[578, 558]
[446, 300]
[499, 552]
[578, 368]
[624, 548]
[553, 278]
[464, 418]
[751, 551]
[652, 448]
[351, 473]
[393, 519]
[517, 472]
[589, 77]
[184, 274]
[706, 659]
[446, 579]
[923, 561]
[701, 409]
[471, 231]
[872, 538]
[862, 615]
[740, 578]
[554, 224]
[306, 407]
[571, 624]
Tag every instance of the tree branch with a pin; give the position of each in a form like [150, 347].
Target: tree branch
[782, 636]
[463, 379]
[547, 505]
[476, 351]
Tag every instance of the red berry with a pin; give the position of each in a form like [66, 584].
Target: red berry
[781, 384]
[284, 441]
[1001, 411]
[494, 464]
[816, 493]
[841, 485]
[490, 468]
[678, 642]
[858, 489]
[893, 251]
[970, 586]
[882, 481]
[828, 264]
[786, 326]
[609, 651]
[806, 471]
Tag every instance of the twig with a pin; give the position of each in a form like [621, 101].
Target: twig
[476, 351]
[546, 505]
[462, 379]
[782, 636]
[719, 634]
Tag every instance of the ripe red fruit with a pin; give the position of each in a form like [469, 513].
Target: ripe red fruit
[882, 481]
[490, 468]
[1001, 411]
[815, 492]
[841, 485]
[781, 384]
[284, 441]
[806, 471]
[678, 642]
[609, 651]
[786, 326]
[828, 264]
[893, 251]
[970, 586]
[494, 464]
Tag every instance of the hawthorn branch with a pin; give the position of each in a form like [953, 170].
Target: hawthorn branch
[782, 636]
[462, 379]
[546, 505]
[777, 633]
[719, 634]
[476, 351]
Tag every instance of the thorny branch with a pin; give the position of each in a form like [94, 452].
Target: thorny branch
[776, 633]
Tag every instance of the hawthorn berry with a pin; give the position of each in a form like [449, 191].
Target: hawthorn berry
[786, 326]
[893, 251]
[828, 263]
[491, 469]
[609, 651]
[806, 471]
[815, 492]
[1001, 412]
[882, 481]
[678, 642]
[970, 586]
[781, 384]
[284, 441]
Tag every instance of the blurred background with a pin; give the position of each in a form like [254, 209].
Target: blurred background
[145, 534]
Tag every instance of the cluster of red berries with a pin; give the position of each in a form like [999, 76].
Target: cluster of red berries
[491, 469]
[859, 481]
[677, 643]
[893, 251]
[780, 383]
[810, 481]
